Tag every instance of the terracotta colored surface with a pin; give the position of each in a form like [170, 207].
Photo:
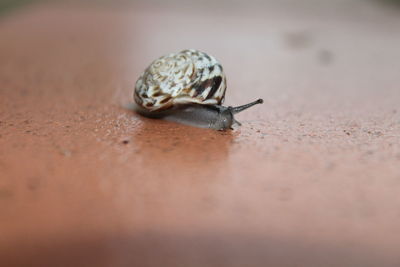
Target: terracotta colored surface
[312, 178]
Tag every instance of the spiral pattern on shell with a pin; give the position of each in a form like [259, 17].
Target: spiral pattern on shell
[189, 76]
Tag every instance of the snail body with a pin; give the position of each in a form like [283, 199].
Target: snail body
[187, 87]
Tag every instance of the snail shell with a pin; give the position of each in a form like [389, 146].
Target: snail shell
[188, 87]
[187, 77]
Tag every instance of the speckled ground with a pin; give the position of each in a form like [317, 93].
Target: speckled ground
[312, 177]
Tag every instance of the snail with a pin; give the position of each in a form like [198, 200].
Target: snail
[187, 87]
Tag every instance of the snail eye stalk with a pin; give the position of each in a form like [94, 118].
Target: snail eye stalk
[238, 109]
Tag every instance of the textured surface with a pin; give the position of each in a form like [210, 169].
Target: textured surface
[312, 177]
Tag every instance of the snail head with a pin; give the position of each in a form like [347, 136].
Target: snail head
[226, 119]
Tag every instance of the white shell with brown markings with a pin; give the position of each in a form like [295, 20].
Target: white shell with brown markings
[187, 77]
